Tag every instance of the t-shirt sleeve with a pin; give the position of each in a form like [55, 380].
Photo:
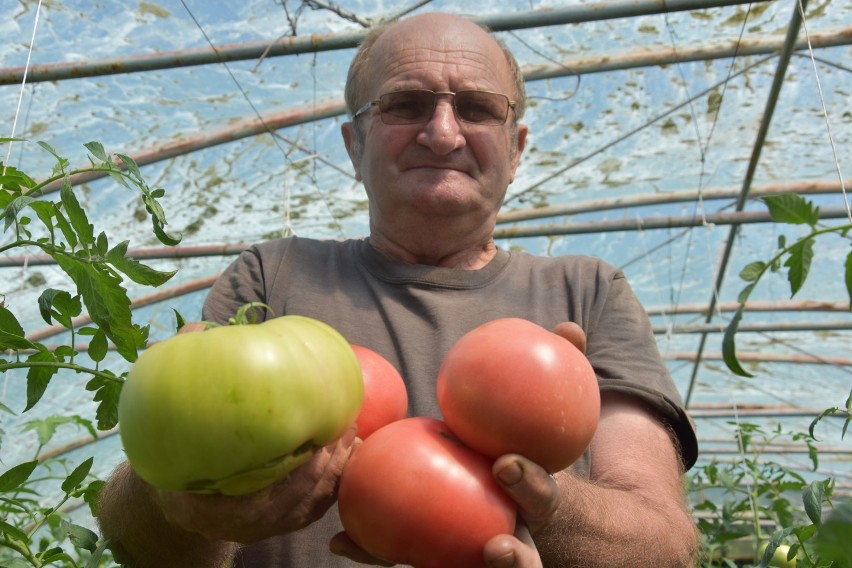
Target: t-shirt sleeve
[241, 283]
[624, 353]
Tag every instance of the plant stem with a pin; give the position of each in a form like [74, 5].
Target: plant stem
[46, 364]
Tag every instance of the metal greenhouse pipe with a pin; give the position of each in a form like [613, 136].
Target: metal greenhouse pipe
[707, 328]
[765, 358]
[774, 91]
[252, 126]
[646, 223]
[329, 42]
[682, 196]
[752, 306]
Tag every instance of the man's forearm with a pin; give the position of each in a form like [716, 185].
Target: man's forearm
[601, 527]
[140, 536]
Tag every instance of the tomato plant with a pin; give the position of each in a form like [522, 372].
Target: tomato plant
[385, 396]
[511, 386]
[232, 409]
[413, 494]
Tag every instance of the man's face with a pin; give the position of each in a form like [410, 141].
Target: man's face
[442, 168]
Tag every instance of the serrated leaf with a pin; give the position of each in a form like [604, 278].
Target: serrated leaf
[97, 150]
[799, 263]
[729, 350]
[16, 476]
[131, 166]
[61, 163]
[44, 211]
[98, 346]
[179, 320]
[76, 215]
[752, 272]
[65, 228]
[11, 333]
[38, 378]
[791, 208]
[14, 179]
[10, 214]
[135, 270]
[107, 303]
[106, 394]
[76, 477]
[58, 305]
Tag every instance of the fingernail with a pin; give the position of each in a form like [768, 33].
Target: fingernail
[510, 475]
[505, 561]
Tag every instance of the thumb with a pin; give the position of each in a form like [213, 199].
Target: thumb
[573, 333]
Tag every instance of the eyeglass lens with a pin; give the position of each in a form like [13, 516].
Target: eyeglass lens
[417, 106]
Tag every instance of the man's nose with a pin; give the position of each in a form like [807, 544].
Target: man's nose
[442, 134]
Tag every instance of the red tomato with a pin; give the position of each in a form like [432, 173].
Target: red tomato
[413, 494]
[511, 386]
[385, 397]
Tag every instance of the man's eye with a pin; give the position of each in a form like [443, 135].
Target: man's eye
[406, 106]
[477, 111]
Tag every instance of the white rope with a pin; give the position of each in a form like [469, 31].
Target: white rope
[23, 86]
[825, 111]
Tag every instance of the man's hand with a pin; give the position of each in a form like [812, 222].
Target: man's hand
[299, 499]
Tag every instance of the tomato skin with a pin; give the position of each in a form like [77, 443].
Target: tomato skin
[234, 408]
[385, 395]
[511, 386]
[412, 494]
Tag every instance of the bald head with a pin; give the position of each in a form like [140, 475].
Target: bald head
[384, 45]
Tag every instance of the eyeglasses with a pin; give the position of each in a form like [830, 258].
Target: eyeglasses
[417, 106]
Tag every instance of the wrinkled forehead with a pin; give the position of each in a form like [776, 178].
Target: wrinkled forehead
[449, 53]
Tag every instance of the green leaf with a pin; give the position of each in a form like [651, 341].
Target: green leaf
[60, 306]
[135, 270]
[849, 278]
[106, 394]
[95, 559]
[45, 428]
[14, 179]
[44, 211]
[61, 163]
[179, 320]
[729, 346]
[14, 532]
[76, 477]
[14, 208]
[97, 150]
[91, 495]
[799, 263]
[16, 476]
[834, 537]
[80, 536]
[76, 215]
[39, 377]
[753, 271]
[102, 244]
[107, 303]
[98, 346]
[11, 333]
[131, 166]
[812, 498]
[65, 227]
[791, 208]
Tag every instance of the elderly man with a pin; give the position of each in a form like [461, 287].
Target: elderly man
[436, 139]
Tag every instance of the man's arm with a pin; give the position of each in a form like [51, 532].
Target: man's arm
[632, 511]
[148, 528]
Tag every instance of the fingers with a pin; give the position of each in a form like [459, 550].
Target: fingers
[573, 333]
[535, 492]
[506, 551]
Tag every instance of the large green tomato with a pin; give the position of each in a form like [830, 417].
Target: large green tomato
[232, 409]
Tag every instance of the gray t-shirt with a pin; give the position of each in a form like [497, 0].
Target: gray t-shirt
[413, 314]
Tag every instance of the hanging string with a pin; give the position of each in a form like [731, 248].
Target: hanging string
[275, 139]
[23, 87]
[824, 110]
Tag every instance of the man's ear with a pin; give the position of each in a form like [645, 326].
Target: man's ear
[519, 142]
[353, 146]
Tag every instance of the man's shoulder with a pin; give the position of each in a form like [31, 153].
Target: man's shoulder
[277, 248]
